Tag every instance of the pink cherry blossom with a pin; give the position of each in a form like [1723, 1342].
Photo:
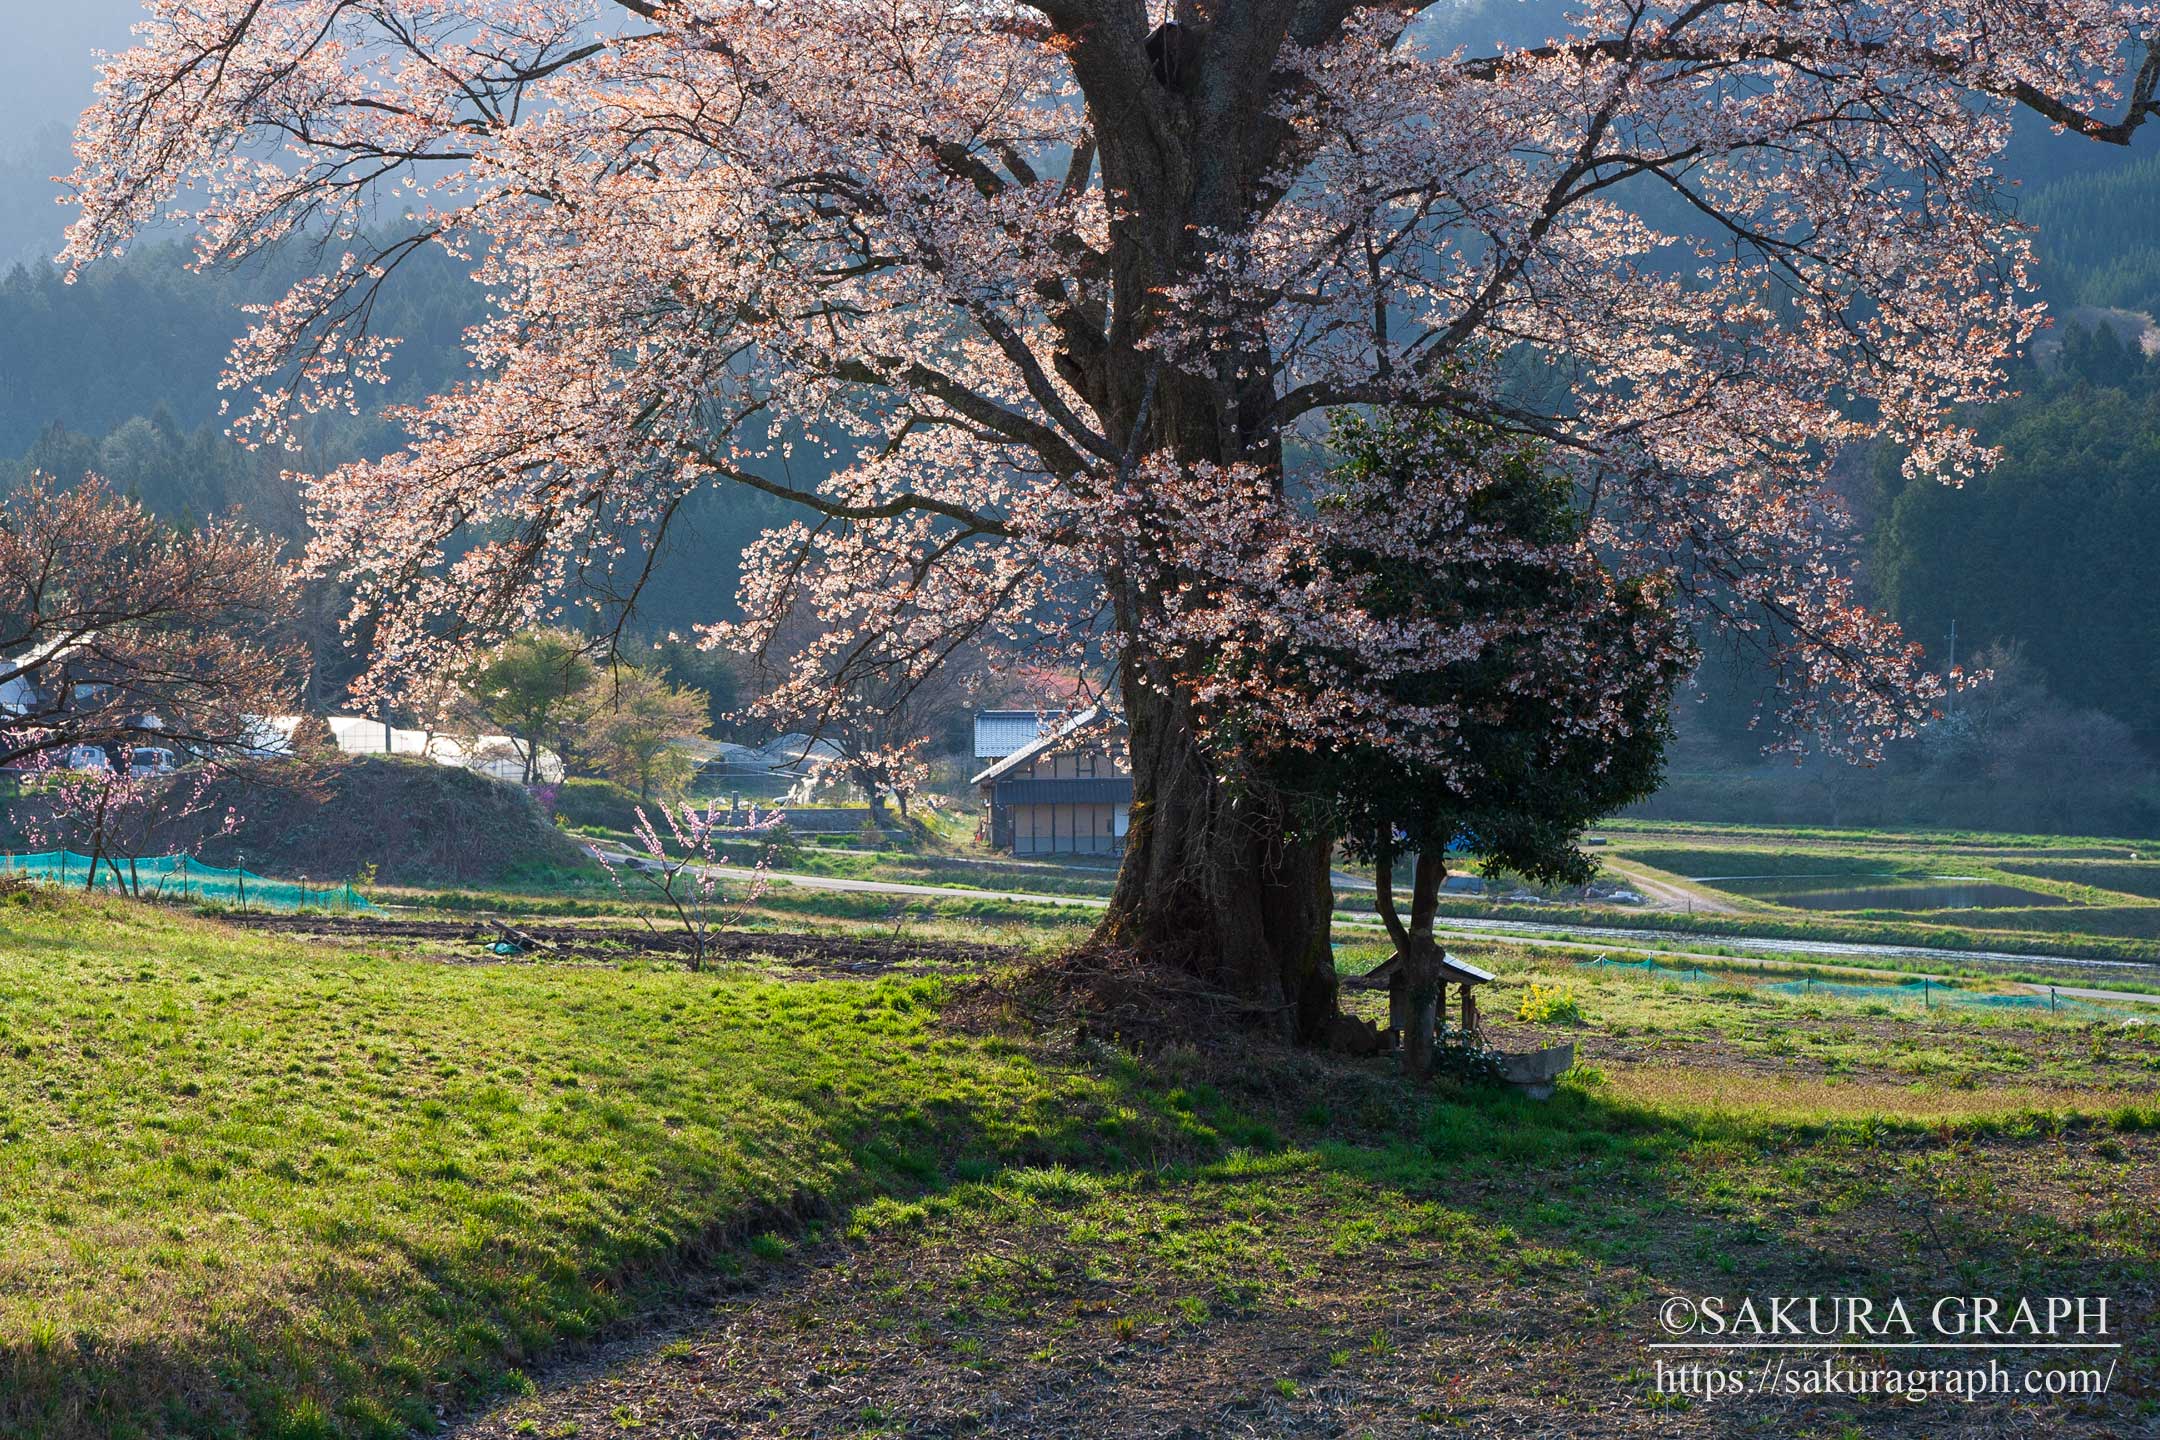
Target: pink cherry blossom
[1035, 331]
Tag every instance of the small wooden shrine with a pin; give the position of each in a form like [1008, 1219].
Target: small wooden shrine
[1459, 976]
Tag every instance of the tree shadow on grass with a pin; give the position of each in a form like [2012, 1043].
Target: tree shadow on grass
[1571, 1218]
[372, 1320]
[1374, 1262]
[1647, 1203]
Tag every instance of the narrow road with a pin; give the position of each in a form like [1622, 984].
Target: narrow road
[1599, 939]
[900, 888]
[1668, 896]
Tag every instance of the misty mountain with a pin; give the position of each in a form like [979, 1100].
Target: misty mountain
[47, 74]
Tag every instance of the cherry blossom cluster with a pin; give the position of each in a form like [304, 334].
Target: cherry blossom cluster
[910, 265]
[681, 866]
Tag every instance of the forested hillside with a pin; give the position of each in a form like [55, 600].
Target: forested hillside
[2097, 241]
[2052, 549]
[119, 374]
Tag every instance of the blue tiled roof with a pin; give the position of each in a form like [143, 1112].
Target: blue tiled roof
[1000, 732]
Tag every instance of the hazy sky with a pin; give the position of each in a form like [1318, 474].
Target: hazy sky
[46, 72]
[45, 67]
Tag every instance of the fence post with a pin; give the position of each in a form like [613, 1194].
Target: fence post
[240, 874]
[2051, 999]
[1927, 993]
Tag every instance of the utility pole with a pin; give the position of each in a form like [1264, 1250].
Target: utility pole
[1951, 699]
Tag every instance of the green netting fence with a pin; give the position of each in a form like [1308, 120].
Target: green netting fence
[1647, 966]
[177, 877]
[1931, 993]
[1921, 991]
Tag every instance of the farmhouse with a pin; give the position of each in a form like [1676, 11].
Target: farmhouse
[1051, 787]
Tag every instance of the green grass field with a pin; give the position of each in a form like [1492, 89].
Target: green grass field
[253, 1186]
[2078, 897]
[324, 1190]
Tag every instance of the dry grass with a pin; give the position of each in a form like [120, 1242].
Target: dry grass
[1811, 1100]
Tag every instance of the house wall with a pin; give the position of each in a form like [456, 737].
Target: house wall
[1080, 829]
[1077, 765]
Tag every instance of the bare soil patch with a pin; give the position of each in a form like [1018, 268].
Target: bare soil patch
[850, 954]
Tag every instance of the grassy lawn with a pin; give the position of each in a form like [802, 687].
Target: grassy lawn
[255, 1187]
[251, 1187]
[1773, 1044]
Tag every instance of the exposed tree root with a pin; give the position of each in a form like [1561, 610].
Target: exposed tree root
[1111, 995]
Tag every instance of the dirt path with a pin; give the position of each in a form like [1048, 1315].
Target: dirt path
[1665, 895]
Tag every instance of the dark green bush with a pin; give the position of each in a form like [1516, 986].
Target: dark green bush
[1466, 1063]
[600, 803]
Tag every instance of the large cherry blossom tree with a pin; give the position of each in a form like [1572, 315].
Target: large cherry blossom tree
[1055, 287]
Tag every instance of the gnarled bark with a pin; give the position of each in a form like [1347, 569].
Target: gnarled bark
[1219, 880]
[1211, 885]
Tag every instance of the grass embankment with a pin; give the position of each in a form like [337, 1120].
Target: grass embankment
[254, 1188]
[1797, 925]
[2072, 892]
[247, 1187]
[2089, 846]
[2075, 913]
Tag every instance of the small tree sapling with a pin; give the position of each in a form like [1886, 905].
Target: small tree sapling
[685, 874]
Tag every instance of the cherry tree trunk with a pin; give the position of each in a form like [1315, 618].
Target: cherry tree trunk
[1211, 886]
[1217, 880]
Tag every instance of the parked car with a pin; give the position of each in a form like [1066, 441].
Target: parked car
[148, 760]
[85, 757]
